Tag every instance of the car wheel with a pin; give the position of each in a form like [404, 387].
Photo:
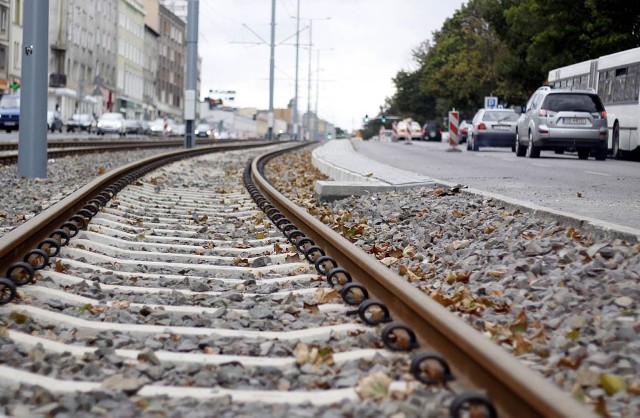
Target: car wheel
[600, 154]
[616, 154]
[532, 150]
[468, 144]
[8, 131]
[475, 146]
[521, 150]
[583, 153]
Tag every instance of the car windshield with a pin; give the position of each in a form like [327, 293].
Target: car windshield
[505, 116]
[9, 102]
[563, 102]
[111, 116]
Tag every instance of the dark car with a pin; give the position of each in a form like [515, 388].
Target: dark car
[431, 131]
[10, 112]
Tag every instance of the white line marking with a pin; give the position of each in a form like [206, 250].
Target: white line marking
[598, 174]
[541, 165]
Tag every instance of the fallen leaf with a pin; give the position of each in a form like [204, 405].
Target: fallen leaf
[311, 307]
[101, 170]
[578, 194]
[59, 267]
[121, 304]
[612, 383]
[325, 296]
[388, 261]
[375, 386]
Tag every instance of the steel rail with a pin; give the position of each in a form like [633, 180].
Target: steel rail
[93, 147]
[17, 242]
[93, 141]
[514, 388]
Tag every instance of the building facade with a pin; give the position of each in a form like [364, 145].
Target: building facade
[130, 59]
[14, 71]
[179, 8]
[4, 45]
[171, 65]
[82, 42]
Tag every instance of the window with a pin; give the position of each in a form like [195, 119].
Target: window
[3, 19]
[631, 84]
[579, 102]
[17, 16]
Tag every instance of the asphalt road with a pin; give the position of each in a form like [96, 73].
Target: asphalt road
[606, 190]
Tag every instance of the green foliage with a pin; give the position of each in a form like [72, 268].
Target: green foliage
[506, 48]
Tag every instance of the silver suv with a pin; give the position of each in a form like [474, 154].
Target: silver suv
[562, 119]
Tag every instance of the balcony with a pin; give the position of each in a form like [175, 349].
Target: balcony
[57, 80]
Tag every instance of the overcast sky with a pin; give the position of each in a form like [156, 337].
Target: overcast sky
[362, 47]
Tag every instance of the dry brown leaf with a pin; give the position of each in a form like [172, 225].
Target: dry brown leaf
[311, 307]
[121, 304]
[521, 345]
[457, 277]
[496, 273]
[375, 386]
[457, 214]
[409, 251]
[488, 230]
[389, 261]
[59, 267]
[325, 296]
[438, 191]
[101, 170]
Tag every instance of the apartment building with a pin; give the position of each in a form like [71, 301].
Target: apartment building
[14, 72]
[82, 42]
[130, 59]
[170, 83]
[4, 46]
[179, 8]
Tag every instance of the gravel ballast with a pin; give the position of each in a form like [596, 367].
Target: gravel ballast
[564, 302]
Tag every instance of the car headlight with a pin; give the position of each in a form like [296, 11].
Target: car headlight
[197, 132]
[99, 124]
[208, 132]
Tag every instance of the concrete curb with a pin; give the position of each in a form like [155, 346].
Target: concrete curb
[352, 183]
[370, 179]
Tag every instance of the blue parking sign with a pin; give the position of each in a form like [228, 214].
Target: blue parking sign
[490, 102]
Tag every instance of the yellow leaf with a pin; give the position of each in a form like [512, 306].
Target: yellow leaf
[260, 235]
[612, 383]
[456, 214]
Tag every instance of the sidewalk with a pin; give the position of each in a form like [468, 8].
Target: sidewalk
[355, 175]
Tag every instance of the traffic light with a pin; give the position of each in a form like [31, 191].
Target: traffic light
[366, 118]
[383, 119]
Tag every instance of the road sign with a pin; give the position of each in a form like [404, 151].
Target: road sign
[490, 102]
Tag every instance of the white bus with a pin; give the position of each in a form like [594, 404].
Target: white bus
[616, 78]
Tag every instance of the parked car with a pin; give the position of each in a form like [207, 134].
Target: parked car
[133, 126]
[112, 123]
[431, 131]
[406, 129]
[10, 112]
[563, 119]
[463, 128]
[492, 128]
[81, 122]
[178, 130]
[161, 126]
[203, 130]
[54, 123]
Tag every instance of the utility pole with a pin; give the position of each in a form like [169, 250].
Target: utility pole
[192, 69]
[315, 124]
[32, 137]
[295, 100]
[272, 69]
[309, 87]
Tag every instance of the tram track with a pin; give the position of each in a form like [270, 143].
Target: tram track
[168, 281]
[61, 148]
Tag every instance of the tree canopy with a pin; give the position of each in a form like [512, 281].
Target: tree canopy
[506, 48]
